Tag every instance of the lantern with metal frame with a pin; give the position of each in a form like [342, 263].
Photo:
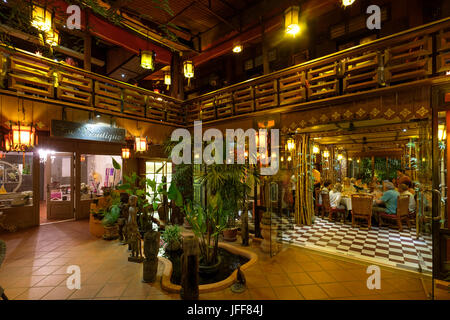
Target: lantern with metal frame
[41, 18]
[20, 138]
[188, 70]
[326, 154]
[148, 59]
[126, 153]
[442, 132]
[52, 37]
[291, 20]
[347, 3]
[140, 144]
[290, 144]
[167, 79]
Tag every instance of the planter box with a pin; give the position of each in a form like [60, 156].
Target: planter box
[96, 227]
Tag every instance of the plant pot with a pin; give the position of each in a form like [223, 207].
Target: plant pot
[210, 270]
[111, 232]
[173, 246]
[230, 234]
[186, 224]
[96, 227]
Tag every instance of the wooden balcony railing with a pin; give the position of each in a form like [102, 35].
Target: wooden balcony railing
[34, 76]
[412, 55]
[401, 58]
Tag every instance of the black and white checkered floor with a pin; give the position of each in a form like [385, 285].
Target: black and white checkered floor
[384, 245]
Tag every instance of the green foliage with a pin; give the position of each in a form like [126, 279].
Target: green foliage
[171, 234]
[207, 224]
[110, 217]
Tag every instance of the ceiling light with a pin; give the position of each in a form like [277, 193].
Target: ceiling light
[347, 3]
[237, 48]
[148, 59]
[291, 20]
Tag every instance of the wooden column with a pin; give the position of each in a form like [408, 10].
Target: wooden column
[87, 52]
[77, 185]
[176, 89]
[265, 49]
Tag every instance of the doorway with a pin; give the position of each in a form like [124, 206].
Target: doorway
[57, 186]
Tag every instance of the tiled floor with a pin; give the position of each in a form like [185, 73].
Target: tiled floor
[37, 261]
[385, 245]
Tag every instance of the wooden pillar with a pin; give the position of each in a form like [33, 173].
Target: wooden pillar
[87, 52]
[265, 49]
[176, 69]
[77, 193]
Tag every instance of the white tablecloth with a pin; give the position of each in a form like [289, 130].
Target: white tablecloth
[347, 202]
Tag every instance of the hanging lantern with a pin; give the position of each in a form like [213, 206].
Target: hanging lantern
[326, 154]
[316, 149]
[20, 138]
[140, 144]
[148, 59]
[339, 157]
[291, 20]
[167, 78]
[237, 47]
[41, 18]
[289, 159]
[290, 144]
[442, 132]
[125, 153]
[52, 37]
[347, 3]
[188, 69]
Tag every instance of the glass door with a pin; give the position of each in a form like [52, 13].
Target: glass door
[59, 176]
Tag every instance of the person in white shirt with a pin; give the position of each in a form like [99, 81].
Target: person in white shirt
[404, 190]
[335, 197]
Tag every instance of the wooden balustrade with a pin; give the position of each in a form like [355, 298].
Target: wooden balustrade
[401, 58]
[38, 77]
[397, 59]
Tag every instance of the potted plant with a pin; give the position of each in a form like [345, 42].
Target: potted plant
[172, 238]
[110, 217]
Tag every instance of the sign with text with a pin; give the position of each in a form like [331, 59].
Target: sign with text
[87, 131]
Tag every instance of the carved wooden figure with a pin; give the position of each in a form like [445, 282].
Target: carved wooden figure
[134, 237]
[151, 248]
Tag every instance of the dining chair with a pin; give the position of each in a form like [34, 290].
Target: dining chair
[2, 257]
[325, 203]
[362, 208]
[402, 213]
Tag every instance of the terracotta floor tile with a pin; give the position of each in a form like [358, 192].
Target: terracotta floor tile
[45, 270]
[51, 281]
[58, 293]
[141, 289]
[321, 276]
[278, 280]
[86, 292]
[112, 290]
[395, 296]
[288, 293]
[417, 295]
[24, 282]
[300, 278]
[359, 288]
[257, 281]
[312, 292]
[336, 290]
[34, 293]
[133, 298]
[311, 266]
[262, 294]
[12, 293]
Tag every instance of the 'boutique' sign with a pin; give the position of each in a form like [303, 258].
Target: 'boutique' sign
[87, 131]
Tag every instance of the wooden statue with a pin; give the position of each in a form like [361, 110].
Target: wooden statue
[239, 285]
[176, 216]
[133, 235]
[151, 248]
[189, 269]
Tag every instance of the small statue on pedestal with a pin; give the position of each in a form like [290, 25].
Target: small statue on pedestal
[151, 248]
[133, 235]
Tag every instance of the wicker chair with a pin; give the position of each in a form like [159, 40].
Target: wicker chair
[401, 214]
[362, 208]
[2, 257]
